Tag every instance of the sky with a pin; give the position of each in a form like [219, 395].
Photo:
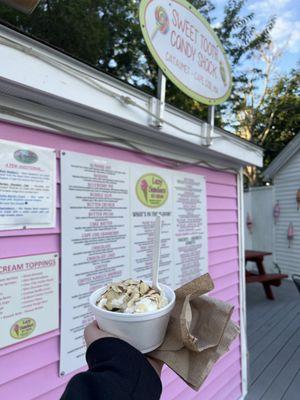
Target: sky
[286, 32]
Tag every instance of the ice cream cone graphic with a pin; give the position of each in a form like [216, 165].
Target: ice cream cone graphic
[144, 188]
[17, 330]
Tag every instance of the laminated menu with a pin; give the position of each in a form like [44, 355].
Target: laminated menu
[108, 211]
[28, 297]
[27, 186]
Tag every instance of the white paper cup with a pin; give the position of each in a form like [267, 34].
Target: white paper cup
[144, 331]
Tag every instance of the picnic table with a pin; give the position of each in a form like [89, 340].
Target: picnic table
[267, 280]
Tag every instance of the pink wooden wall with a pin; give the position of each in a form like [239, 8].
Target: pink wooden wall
[29, 370]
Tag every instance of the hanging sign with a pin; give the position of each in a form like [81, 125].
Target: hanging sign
[186, 49]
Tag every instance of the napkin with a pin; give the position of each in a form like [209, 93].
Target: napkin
[199, 332]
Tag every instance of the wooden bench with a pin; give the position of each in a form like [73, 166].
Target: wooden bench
[267, 280]
[272, 279]
[296, 280]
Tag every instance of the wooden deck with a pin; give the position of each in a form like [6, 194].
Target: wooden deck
[273, 329]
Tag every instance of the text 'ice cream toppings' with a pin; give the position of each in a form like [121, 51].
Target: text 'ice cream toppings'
[132, 296]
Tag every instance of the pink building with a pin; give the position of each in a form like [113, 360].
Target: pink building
[50, 100]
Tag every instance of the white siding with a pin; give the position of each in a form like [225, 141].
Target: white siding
[259, 204]
[247, 209]
[287, 182]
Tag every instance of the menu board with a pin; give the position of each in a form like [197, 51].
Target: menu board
[95, 218]
[190, 235]
[27, 186]
[108, 213]
[28, 297]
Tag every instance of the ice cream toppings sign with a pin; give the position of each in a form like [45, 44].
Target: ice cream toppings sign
[186, 49]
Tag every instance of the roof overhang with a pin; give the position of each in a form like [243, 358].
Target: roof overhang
[43, 87]
[283, 157]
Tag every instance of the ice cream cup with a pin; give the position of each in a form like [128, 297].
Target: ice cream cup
[144, 331]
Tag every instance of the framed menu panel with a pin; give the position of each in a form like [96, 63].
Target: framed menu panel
[27, 186]
[28, 297]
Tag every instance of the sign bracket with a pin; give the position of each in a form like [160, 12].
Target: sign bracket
[157, 105]
[207, 128]
[211, 123]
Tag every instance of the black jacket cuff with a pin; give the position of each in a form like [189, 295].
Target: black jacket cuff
[130, 364]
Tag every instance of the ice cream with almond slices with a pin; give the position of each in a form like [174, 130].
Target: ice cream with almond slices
[133, 297]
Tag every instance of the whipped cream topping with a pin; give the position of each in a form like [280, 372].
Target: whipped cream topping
[132, 296]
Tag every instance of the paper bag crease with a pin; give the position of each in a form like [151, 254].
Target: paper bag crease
[199, 332]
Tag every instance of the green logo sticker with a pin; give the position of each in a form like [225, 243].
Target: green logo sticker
[26, 156]
[22, 328]
[152, 190]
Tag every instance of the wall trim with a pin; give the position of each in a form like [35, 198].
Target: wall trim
[35, 72]
[243, 311]
[28, 114]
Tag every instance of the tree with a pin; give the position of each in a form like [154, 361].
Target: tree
[106, 34]
[279, 120]
[101, 33]
[269, 111]
[282, 112]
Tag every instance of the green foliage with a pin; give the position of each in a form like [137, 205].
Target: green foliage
[272, 121]
[241, 41]
[102, 33]
[107, 35]
[281, 113]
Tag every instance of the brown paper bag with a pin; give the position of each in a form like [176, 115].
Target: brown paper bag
[199, 332]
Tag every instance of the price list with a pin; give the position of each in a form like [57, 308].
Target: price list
[28, 297]
[95, 250]
[190, 236]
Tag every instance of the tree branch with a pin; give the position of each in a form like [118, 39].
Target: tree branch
[267, 130]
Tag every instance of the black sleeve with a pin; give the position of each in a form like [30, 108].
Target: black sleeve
[117, 371]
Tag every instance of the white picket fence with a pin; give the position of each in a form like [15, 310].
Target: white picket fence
[259, 203]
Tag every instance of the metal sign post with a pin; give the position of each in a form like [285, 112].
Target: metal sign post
[211, 124]
[161, 95]
[157, 105]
